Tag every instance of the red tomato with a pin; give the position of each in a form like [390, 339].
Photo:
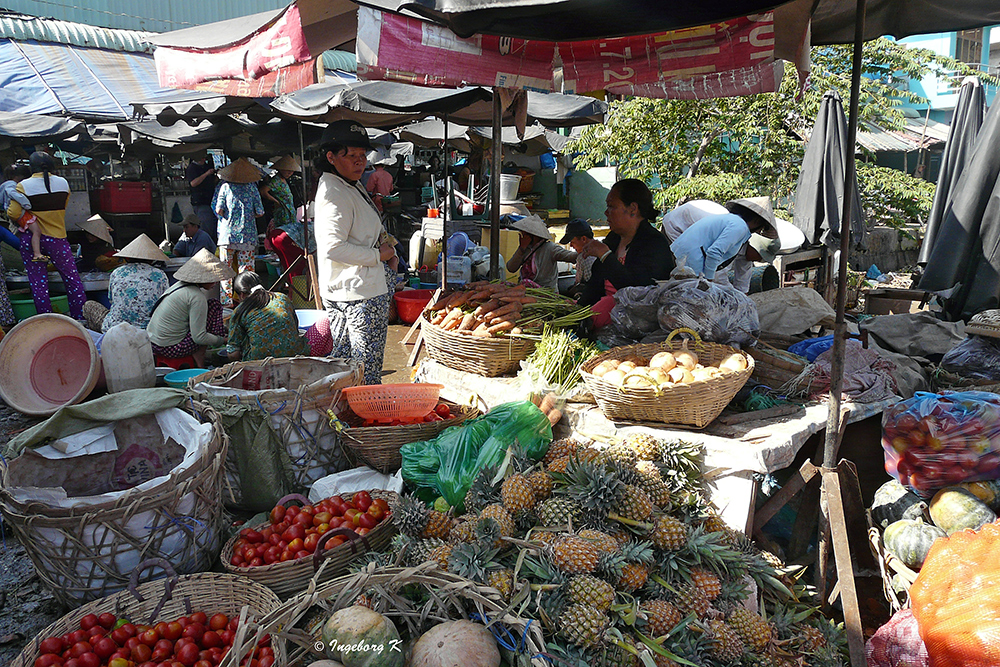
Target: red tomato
[309, 544]
[261, 548]
[367, 521]
[350, 514]
[251, 536]
[256, 561]
[290, 513]
[273, 539]
[95, 633]
[321, 517]
[79, 648]
[52, 645]
[307, 509]
[322, 528]
[303, 519]
[174, 631]
[237, 561]
[105, 647]
[443, 410]
[107, 620]
[77, 636]
[72, 662]
[362, 500]
[272, 555]
[279, 528]
[203, 663]
[377, 512]
[267, 661]
[296, 545]
[89, 659]
[119, 662]
[187, 655]
[234, 624]
[381, 502]
[302, 554]
[227, 637]
[199, 617]
[249, 553]
[362, 531]
[48, 660]
[335, 541]
[195, 631]
[131, 643]
[211, 639]
[142, 653]
[277, 514]
[88, 621]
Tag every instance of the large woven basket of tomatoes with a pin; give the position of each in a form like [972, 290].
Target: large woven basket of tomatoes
[377, 445]
[298, 543]
[190, 620]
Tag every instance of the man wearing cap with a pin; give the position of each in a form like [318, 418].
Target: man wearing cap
[193, 239]
[201, 176]
[134, 288]
[578, 233]
[536, 254]
[715, 240]
[352, 258]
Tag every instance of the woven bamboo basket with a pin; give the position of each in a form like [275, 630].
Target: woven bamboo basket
[489, 357]
[890, 566]
[168, 599]
[295, 626]
[293, 576]
[774, 367]
[947, 381]
[297, 401]
[695, 404]
[378, 446]
[87, 552]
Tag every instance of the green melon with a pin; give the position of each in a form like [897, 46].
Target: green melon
[954, 509]
[893, 502]
[909, 541]
[360, 637]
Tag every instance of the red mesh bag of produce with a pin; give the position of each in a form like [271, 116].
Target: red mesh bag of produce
[897, 643]
[956, 599]
[936, 440]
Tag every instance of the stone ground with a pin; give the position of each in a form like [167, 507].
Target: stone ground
[26, 605]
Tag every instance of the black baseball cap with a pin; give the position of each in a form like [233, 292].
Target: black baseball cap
[346, 133]
[576, 227]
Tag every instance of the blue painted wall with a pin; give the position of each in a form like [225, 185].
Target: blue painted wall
[941, 97]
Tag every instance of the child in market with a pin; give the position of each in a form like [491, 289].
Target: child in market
[27, 223]
[578, 233]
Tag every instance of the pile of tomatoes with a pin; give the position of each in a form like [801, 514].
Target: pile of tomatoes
[439, 413]
[190, 641]
[295, 531]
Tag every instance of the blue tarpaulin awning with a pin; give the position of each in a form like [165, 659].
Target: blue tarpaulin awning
[67, 80]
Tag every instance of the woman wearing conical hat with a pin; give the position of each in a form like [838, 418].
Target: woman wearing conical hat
[237, 204]
[134, 288]
[185, 321]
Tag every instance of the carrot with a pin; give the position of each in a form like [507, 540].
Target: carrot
[439, 317]
[535, 399]
[509, 309]
[548, 403]
[487, 306]
[506, 325]
[444, 302]
[481, 333]
[554, 417]
[466, 323]
[460, 299]
[518, 299]
[452, 320]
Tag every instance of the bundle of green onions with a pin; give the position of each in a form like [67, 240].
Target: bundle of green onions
[558, 356]
[551, 310]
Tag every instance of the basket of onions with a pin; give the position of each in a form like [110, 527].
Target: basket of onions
[683, 382]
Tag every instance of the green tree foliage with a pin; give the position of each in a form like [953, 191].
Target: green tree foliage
[743, 146]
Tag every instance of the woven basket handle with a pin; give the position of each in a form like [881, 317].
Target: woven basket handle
[168, 590]
[352, 539]
[294, 496]
[691, 332]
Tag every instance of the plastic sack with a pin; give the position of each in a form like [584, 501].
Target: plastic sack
[975, 357]
[812, 347]
[355, 479]
[936, 440]
[956, 599]
[897, 643]
[447, 465]
[635, 312]
[719, 313]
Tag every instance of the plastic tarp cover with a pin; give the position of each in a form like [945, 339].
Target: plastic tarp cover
[792, 310]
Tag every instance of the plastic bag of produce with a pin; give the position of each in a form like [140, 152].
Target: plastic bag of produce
[956, 599]
[975, 357]
[636, 310]
[936, 440]
[897, 643]
[447, 465]
[719, 313]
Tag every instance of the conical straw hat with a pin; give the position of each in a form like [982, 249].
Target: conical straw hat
[287, 163]
[142, 247]
[96, 225]
[204, 267]
[240, 171]
[760, 206]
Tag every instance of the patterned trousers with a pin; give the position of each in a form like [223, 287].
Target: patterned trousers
[61, 256]
[240, 260]
[358, 330]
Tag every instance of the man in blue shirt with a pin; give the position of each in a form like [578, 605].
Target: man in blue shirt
[714, 240]
[193, 239]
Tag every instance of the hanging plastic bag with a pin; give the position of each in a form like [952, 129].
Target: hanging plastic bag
[447, 465]
[936, 440]
[975, 357]
[719, 313]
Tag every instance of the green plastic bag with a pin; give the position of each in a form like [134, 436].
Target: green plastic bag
[447, 465]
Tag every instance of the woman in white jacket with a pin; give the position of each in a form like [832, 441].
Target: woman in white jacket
[351, 254]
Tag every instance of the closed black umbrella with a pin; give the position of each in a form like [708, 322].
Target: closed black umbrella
[965, 123]
[819, 194]
[966, 255]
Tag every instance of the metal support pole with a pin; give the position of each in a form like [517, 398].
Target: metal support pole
[305, 190]
[495, 189]
[443, 212]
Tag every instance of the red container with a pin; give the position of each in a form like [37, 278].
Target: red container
[410, 303]
[127, 197]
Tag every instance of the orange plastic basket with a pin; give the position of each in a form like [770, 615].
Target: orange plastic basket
[385, 402]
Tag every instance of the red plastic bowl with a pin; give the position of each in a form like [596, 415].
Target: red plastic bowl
[410, 303]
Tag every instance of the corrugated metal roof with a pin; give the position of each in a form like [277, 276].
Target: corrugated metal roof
[21, 27]
[345, 61]
[918, 134]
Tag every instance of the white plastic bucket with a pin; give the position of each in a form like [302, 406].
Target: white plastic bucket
[509, 184]
[128, 358]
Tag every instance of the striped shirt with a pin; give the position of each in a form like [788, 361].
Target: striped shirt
[48, 205]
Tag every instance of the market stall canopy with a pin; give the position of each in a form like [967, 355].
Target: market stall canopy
[568, 20]
[262, 55]
[69, 80]
[430, 134]
[327, 102]
[966, 120]
[191, 106]
[24, 128]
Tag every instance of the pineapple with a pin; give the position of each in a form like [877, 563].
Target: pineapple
[633, 576]
[596, 490]
[669, 533]
[575, 555]
[483, 491]
[661, 617]
[652, 483]
[589, 455]
[628, 568]
[501, 579]
[663, 661]
[726, 645]
[707, 581]
[589, 590]
[438, 525]
[691, 599]
[440, 555]
[645, 446]
[714, 523]
[560, 448]
[602, 541]
[752, 629]
[582, 625]
[464, 530]
[615, 654]
[410, 516]
[541, 484]
[503, 518]
[618, 453]
[419, 551]
[634, 503]
[558, 512]
[560, 464]
[517, 494]
[812, 639]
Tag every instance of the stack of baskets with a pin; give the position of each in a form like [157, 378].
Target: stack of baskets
[489, 357]
[775, 368]
[695, 404]
[290, 577]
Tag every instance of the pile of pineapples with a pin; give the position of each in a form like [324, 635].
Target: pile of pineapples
[616, 551]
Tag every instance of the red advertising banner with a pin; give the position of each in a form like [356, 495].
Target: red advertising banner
[731, 58]
[270, 62]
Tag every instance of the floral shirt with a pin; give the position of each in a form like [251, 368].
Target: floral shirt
[237, 205]
[271, 331]
[284, 214]
[134, 289]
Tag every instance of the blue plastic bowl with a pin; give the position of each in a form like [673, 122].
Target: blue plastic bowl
[179, 379]
[428, 285]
